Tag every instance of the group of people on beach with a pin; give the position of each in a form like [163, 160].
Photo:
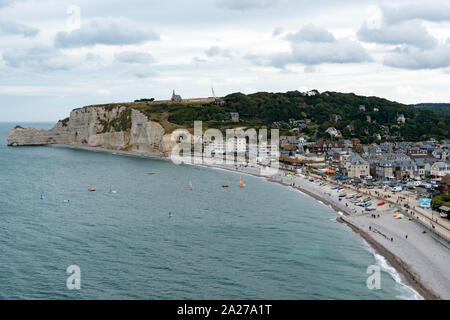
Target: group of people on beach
[380, 233]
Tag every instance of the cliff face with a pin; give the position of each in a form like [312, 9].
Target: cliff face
[118, 128]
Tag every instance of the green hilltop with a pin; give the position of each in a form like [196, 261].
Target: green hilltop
[312, 113]
[436, 107]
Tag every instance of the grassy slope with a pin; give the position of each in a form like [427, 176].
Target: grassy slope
[261, 109]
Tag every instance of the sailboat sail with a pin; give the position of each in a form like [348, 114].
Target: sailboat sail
[241, 182]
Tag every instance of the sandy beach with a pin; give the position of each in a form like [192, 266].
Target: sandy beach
[409, 247]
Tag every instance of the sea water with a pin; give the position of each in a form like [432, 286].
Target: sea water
[155, 238]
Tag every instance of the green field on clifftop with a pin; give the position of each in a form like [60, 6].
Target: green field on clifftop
[354, 116]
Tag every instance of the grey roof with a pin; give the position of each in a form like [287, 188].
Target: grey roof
[312, 154]
[442, 164]
[405, 164]
[356, 159]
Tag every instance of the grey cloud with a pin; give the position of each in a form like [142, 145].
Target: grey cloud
[199, 60]
[258, 59]
[426, 10]
[38, 57]
[310, 69]
[277, 31]
[106, 31]
[5, 3]
[411, 32]
[133, 57]
[313, 46]
[10, 27]
[245, 4]
[215, 51]
[92, 57]
[415, 58]
[141, 72]
[311, 33]
[340, 51]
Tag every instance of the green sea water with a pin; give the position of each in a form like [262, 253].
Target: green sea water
[264, 241]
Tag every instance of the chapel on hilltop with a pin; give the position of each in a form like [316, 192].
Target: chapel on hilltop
[176, 97]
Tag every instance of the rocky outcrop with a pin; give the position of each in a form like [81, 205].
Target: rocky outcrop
[118, 128]
[31, 136]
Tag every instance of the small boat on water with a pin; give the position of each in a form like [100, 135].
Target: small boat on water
[190, 185]
[42, 195]
[92, 190]
[225, 186]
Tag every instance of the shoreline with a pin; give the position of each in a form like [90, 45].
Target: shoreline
[410, 278]
[394, 261]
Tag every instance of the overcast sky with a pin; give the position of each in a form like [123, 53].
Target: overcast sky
[52, 62]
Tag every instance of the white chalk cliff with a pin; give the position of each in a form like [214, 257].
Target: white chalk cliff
[117, 128]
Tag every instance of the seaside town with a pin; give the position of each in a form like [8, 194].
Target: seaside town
[412, 175]
[419, 168]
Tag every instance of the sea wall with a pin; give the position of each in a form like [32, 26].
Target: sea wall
[118, 128]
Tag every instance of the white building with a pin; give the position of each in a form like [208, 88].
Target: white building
[333, 132]
[213, 148]
[440, 169]
[236, 144]
[401, 118]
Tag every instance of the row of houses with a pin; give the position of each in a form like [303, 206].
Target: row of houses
[385, 161]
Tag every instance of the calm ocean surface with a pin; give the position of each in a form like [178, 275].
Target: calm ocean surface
[265, 241]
